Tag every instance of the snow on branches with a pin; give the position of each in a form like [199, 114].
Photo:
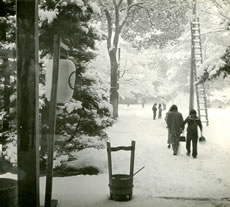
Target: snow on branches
[47, 15]
[215, 66]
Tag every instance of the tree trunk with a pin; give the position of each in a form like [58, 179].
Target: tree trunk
[113, 83]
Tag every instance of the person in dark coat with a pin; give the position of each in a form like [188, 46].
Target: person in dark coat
[154, 109]
[175, 125]
[192, 132]
[159, 111]
[169, 142]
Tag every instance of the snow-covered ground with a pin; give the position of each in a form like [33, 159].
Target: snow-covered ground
[166, 180]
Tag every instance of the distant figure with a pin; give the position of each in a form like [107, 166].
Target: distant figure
[154, 109]
[143, 103]
[159, 111]
[164, 106]
[192, 132]
[175, 125]
[169, 141]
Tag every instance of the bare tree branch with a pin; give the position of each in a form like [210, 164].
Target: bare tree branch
[101, 3]
[119, 3]
[109, 22]
[123, 73]
[115, 3]
[221, 8]
[130, 6]
[117, 20]
[217, 3]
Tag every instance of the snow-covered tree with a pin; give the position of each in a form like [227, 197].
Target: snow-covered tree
[7, 59]
[218, 63]
[142, 22]
[89, 111]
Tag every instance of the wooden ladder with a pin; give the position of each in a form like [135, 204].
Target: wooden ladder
[197, 59]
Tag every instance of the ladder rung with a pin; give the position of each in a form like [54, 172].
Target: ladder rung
[195, 22]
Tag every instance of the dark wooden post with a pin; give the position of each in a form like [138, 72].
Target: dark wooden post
[52, 123]
[132, 158]
[109, 162]
[118, 78]
[191, 94]
[27, 103]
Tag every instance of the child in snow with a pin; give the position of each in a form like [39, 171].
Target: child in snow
[192, 132]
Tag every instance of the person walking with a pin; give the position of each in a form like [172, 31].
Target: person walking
[169, 141]
[159, 111]
[154, 109]
[175, 125]
[192, 132]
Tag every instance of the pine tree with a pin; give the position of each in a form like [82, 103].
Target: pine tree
[88, 113]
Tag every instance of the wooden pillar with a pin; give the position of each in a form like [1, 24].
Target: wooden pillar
[27, 103]
[110, 170]
[118, 78]
[52, 124]
[132, 158]
[191, 94]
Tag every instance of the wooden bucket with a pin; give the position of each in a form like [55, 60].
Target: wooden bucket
[121, 187]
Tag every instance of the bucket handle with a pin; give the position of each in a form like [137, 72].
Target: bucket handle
[135, 173]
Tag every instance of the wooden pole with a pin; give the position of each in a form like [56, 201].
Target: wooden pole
[191, 94]
[118, 78]
[132, 159]
[52, 123]
[109, 162]
[27, 103]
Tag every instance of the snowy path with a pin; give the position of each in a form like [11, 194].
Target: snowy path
[164, 175]
[184, 181]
